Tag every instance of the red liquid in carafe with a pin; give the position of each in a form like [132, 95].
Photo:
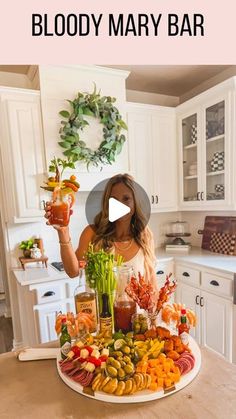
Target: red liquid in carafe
[123, 311]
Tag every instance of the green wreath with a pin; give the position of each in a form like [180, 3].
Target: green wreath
[101, 107]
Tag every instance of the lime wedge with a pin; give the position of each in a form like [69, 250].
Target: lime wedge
[119, 343]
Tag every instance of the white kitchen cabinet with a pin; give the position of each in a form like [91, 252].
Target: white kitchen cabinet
[214, 309]
[205, 137]
[152, 150]
[216, 323]
[45, 320]
[22, 154]
[40, 296]
[190, 297]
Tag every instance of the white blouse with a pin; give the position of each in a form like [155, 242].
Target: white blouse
[137, 263]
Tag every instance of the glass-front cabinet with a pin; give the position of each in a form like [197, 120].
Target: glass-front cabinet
[214, 140]
[205, 162]
[190, 154]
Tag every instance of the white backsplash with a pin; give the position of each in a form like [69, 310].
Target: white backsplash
[158, 224]
[196, 222]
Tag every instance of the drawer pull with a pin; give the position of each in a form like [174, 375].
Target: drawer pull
[160, 272]
[185, 274]
[201, 302]
[152, 199]
[197, 299]
[49, 294]
[215, 283]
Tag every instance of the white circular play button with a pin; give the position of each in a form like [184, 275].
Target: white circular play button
[116, 210]
[114, 198]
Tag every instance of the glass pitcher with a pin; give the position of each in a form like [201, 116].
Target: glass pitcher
[124, 306]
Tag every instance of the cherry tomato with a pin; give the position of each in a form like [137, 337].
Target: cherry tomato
[94, 361]
[76, 350]
[89, 349]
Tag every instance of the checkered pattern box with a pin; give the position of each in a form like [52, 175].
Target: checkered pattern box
[218, 161]
[223, 243]
[193, 134]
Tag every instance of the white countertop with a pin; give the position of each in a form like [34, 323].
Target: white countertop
[37, 275]
[197, 256]
[200, 258]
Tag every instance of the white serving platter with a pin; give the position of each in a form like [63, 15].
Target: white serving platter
[144, 395]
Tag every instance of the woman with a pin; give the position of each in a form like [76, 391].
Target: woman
[128, 236]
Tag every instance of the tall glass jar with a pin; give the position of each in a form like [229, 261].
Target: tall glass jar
[124, 306]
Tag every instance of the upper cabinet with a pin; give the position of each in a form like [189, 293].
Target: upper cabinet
[22, 154]
[58, 84]
[206, 144]
[152, 151]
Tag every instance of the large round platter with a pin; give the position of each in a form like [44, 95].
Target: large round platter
[144, 395]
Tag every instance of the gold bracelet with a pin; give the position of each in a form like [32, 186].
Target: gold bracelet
[65, 243]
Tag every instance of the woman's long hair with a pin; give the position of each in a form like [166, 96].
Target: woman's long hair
[105, 230]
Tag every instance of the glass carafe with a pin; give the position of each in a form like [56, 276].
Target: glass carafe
[124, 306]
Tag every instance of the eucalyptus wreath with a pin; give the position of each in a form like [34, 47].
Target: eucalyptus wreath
[74, 122]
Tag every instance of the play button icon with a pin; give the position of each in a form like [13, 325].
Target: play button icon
[114, 198]
[117, 210]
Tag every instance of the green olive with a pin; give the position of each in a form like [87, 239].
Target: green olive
[116, 364]
[129, 342]
[125, 349]
[121, 373]
[127, 359]
[117, 353]
[129, 369]
[112, 371]
[136, 328]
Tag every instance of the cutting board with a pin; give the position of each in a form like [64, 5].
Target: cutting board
[217, 224]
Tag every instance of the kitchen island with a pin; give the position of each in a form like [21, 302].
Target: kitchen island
[34, 389]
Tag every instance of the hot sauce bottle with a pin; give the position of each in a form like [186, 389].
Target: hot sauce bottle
[183, 327]
[65, 339]
[105, 316]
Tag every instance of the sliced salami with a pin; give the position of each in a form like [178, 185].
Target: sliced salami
[180, 367]
[190, 359]
[186, 364]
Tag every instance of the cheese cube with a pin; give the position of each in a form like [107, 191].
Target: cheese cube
[84, 353]
[95, 353]
[90, 367]
[79, 344]
[105, 351]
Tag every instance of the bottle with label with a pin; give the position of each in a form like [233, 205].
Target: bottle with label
[183, 327]
[105, 316]
[85, 298]
[65, 340]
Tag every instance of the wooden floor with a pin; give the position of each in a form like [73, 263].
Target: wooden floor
[6, 331]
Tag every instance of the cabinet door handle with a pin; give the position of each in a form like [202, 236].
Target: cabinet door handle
[160, 272]
[156, 199]
[185, 274]
[215, 283]
[49, 294]
[197, 299]
[202, 198]
[152, 199]
[198, 196]
[201, 302]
